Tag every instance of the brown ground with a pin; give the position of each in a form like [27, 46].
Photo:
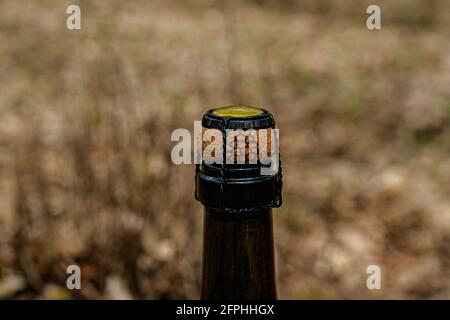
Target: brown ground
[86, 116]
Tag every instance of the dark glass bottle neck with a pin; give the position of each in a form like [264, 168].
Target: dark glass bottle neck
[238, 256]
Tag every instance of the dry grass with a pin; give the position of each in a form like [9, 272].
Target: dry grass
[85, 121]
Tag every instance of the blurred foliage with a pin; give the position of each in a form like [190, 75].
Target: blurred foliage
[86, 117]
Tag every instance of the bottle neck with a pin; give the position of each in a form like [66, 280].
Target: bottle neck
[238, 256]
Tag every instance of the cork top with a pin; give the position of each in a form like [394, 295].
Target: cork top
[238, 117]
[237, 111]
[245, 182]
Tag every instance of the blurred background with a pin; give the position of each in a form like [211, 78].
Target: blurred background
[86, 117]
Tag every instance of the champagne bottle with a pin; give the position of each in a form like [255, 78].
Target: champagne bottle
[238, 248]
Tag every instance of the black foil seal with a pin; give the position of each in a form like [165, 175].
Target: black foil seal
[238, 188]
